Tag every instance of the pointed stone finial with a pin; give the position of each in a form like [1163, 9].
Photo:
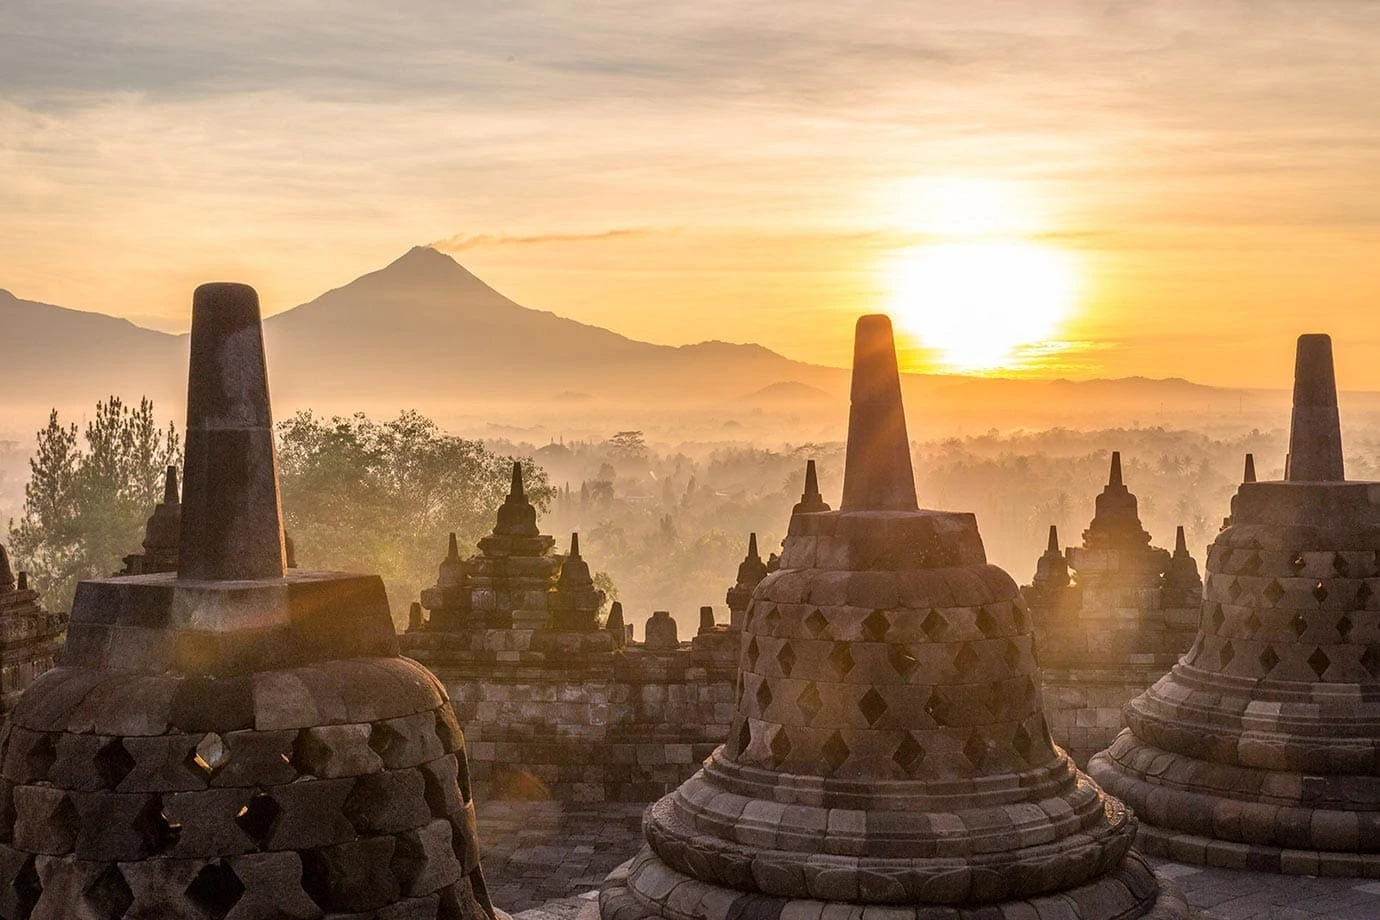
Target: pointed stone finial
[516, 516]
[516, 491]
[575, 546]
[170, 496]
[1249, 474]
[706, 620]
[811, 501]
[452, 549]
[1114, 478]
[232, 520]
[615, 625]
[1315, 430]
[415, 618]
[877, 473]
[23, 581]
[752, 547]
[1180, 544]
[1053, 546]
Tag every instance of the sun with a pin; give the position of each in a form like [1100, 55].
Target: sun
[983, 293]
[983, 305]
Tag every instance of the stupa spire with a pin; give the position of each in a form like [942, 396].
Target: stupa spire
[811, 502]
[1114, 477]
[517, 492]
[1053, 546]
[170, 496]
[232, 520]
[1180, 544]
[877, 473]
[1315, 431]
[1249, 474]
[453, 549]
[574, 546]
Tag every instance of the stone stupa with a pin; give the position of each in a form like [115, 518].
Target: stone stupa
[1261, 749]
[888, 747]
[232, 740]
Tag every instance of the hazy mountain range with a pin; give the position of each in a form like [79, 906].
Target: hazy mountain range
[424, 332]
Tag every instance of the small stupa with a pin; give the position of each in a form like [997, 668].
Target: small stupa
[888, 746]
[232, 739]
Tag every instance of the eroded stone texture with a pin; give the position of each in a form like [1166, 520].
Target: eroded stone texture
[888, 745]
[1104, 638]
[30, 636]
[1259, 749]
[233, 740]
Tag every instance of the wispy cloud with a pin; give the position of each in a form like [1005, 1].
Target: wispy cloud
[463, 242]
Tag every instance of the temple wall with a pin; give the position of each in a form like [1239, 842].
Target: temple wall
[30, 639]
[549, 714]
[1098, 657]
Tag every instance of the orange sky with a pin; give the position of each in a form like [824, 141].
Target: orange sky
[742, 171]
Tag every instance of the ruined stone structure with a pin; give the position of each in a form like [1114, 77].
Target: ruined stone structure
[552, 704]
[30, 637]
[234, 740]
[1259, 749]
[751, 571]
[1111, 616]
[888, 745]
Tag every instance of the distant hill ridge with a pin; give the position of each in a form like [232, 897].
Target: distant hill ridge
[425, 331]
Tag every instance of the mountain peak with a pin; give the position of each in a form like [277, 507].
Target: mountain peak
[426, 261]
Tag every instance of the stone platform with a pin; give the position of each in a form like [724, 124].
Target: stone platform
[538, 857]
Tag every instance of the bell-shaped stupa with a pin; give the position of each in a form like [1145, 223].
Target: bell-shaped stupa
[888, 746]
[232, 739]
[1260, 748]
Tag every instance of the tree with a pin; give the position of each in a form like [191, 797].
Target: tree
[84, 509]
[380, 497]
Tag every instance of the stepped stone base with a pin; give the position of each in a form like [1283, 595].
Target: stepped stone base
[645, 888]
[1227, 854]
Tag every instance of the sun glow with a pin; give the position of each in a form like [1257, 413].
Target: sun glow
[980, 294]
[983, 305]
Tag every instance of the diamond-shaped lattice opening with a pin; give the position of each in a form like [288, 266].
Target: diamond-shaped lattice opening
[1370, 658]
[937, 707]
[1273, 591]
[966, 659]
[786, 658]
[809, 702]
[1252, 564]
[1028, 692]
[1299, 625]
[41, 755]
[1320, 592]
[1234, 589]
[1253, 623]
[835, 752]
[1269, 658]
[876, 625]
[26, 888]
[986, 623]
[384, 738]
[933, 625]
[780, 745]
[976, 749]
[763, 696]
[817, 623]
[902, 661]
[772, 619]
[1217, 617]
[872, 706]
[994, 698]
[841, 659]
[753, 652]
[1364, 594]
[108, 895]
[908, 754]
[1011, 654]
[1226, 654]
[1319, 662]
[216, 889]
[256, 817]
[1023, 742]
[1344, 625]
[1297, 562]
[210, 754]
[1340, 565]
[114, 763]
[744, 736]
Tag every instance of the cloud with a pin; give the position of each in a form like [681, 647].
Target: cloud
[463, 242]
